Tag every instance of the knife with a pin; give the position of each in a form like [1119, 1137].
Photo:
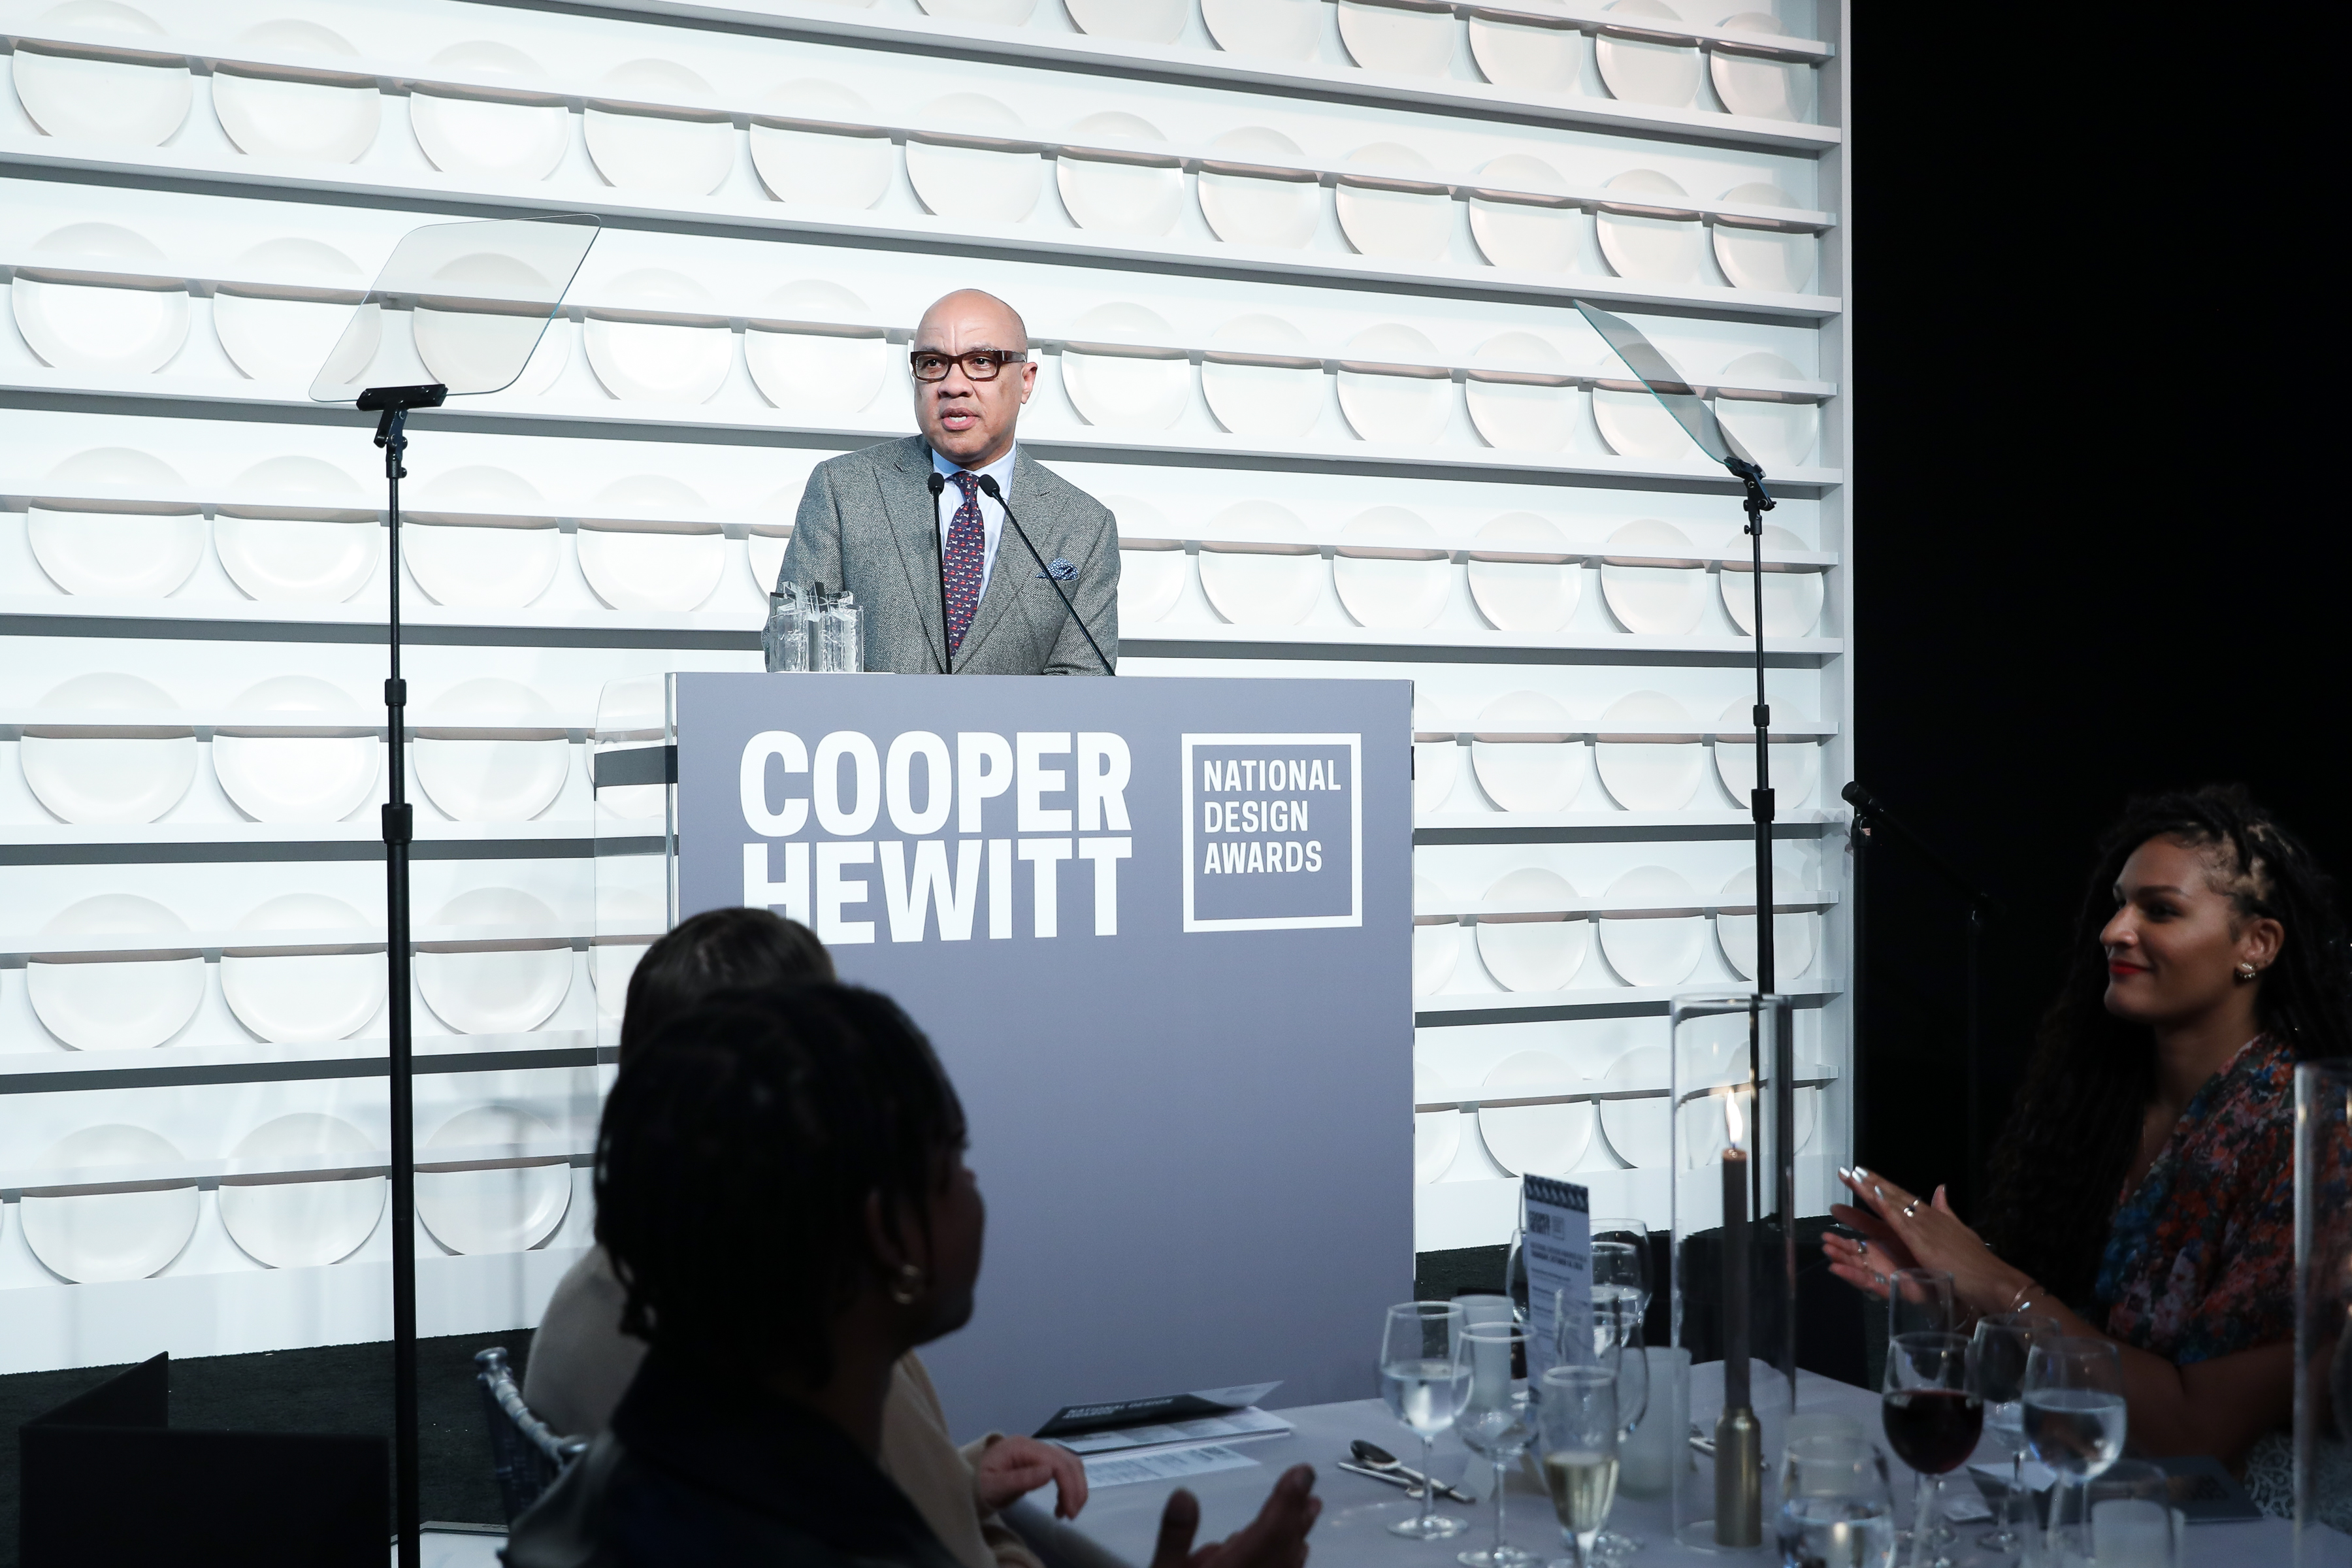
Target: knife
[1391, 1476]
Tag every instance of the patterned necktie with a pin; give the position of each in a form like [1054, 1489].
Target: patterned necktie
[967, 552]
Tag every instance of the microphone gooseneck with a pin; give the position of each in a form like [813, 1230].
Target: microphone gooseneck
[939, 558]
[988, 487]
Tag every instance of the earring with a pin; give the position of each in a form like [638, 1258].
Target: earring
[910, 1287]
[2246, 972]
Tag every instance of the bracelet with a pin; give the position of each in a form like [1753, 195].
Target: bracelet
[2021, 1299]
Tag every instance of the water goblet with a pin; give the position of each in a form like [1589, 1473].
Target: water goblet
[1497, 1423]
[1425, 1381]
[2075, 1418]
[1997, 1357]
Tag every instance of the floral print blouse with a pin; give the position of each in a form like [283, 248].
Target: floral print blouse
[2199, 1260]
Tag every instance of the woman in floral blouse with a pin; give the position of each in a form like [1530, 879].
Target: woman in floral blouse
[2144, 1187]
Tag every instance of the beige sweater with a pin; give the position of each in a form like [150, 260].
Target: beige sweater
[581, 1364]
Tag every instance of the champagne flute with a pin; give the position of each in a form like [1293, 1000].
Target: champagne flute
[1425, 1381]
[1496, 1422]
[1933, 1420]
[1920, 1302]
[1580, 1453]
[1997, 1357]
[2074, 1415]
[1607, 1333]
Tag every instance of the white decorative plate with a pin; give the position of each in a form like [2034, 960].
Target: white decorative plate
[1523, 596]
[1118, 197]
[1265, 401]
[1795, 935]
[1436, 1134]
[1635, 424]
[494, 993]
[124, 554]
[977, 184]
[304, 1225]
[673, 567]
[285, 339]
[1517, 233]
[1796, 764]
[654, 361]
[1519, 416]
[1281, 29]
[1126, 390]
[1639, 71]
[477, 139]
[812, 372]
[1767, 89]
[1436, 764]
[763, 546]
[1651, 249]
[1387, 591]
[483, 565]
[1640, 1131]
[1137, 21]
[304, 998]
[119, 101]
[270, 117]
[1650, 775]
[477, 1212]
[1539, 954]
[1792, 600]
[1540, 62]
[102, 328]
[1253, 209]
[1769, 259]
[297, 778]
[93, 1238]
[1250, 587]
[109, 778]
[1403, 226]
[1777, 435]
[1002, 12]
[1652, 949]
[1662, 601]
[1152, 566]
[323, 558]
[1534, 1140]
[1436, 946]
[125, 1004]
[1395, 408]
[1527, 776]
[1409, 42]
[491, 780]
[823, 168]
[667, 153]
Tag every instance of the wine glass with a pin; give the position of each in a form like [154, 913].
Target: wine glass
[1606, 1333]
[2075, 1413]
[1496, 1423]
[1835, 1503]
[1578, 1416]
[1631, 1232]
[1425, 1381]
[1623, 1270]
[1920, 1302]
[1997, 1357]
[1933, 1420]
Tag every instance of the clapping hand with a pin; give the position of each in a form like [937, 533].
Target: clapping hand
[1012, 1468]
[1277, 1538]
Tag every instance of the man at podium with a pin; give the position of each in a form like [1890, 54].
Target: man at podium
[917, 528]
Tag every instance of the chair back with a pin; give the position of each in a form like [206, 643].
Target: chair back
[526, 1453]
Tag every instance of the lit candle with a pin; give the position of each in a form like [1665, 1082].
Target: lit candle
[1735, 1259]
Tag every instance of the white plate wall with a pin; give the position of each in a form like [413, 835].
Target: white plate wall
[156, 173]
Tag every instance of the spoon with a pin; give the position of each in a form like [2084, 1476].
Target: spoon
[1379, 1458]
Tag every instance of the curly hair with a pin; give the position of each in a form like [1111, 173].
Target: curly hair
[2070, 1139]
[715, 951]
[736, 1157]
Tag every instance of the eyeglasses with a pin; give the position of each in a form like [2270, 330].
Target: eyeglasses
[980, 364]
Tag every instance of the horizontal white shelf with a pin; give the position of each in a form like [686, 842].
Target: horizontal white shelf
[167, 722]
[78, 1181]
[1627, 647]
[1475, 1102]
[767, 219]
[1440, 827]
[1725, 736]
[1473, 910]
[421, 622]
[1444, 1010]
[42, 1072]
[258, 944]
[1112, 59]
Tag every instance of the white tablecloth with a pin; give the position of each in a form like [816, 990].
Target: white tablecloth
[1357, 1512]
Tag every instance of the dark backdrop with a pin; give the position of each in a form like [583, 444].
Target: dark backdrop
[2088, 558]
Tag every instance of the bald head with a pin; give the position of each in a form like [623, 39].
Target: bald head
[971, 420]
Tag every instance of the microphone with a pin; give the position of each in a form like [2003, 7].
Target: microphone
[1058, 574]
[939, 554]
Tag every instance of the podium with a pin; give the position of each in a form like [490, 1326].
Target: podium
[1160, 931]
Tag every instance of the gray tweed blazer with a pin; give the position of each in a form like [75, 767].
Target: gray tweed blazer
[867, 523]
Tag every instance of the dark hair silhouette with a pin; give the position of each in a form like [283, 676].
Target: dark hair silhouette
[717, 950]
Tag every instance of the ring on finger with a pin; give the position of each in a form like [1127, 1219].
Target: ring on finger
[1910, 1208]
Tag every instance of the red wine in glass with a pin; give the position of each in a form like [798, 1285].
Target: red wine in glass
[1932, 1429]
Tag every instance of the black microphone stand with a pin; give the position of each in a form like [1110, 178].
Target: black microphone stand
[988, 487]
[392, 405]
[939, 559]
[1758, 501]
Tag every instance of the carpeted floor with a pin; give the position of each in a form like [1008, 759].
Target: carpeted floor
[335, 1388]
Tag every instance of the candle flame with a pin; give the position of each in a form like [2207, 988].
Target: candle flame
[1734, 1127]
